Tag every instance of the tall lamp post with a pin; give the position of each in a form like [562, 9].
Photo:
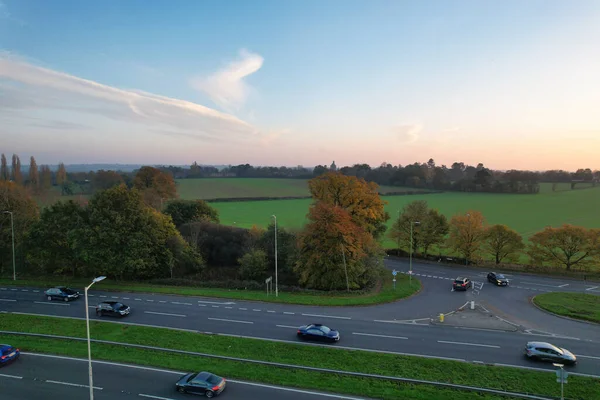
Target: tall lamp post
[12, 231]
[87, 322]
[411, 250]
[276, 288]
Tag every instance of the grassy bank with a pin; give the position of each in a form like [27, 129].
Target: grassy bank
[508, 379]
[383, 293]
[573, 305]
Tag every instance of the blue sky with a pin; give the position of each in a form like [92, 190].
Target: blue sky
[512, 84]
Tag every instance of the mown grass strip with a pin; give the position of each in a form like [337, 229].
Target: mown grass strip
[334, 383]
[508, 379]
[385, 293]
[581, 306]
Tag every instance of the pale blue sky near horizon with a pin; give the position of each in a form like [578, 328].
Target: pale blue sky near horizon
[512, 84]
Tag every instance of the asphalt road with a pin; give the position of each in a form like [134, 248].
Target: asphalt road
[396, 327]
[42, 377]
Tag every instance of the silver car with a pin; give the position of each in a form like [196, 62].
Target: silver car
[548, 352]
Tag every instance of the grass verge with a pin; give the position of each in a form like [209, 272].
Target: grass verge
[384, 293]
[502, 378]
[573, 305]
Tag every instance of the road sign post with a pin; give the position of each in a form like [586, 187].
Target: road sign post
[268, 281]
[394, 273]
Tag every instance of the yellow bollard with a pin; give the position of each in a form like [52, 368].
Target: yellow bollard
[441, 317]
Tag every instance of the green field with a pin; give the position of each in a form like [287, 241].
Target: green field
[526, 214]
[215, 188]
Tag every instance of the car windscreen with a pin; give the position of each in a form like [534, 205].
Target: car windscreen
[500, 276]
[325, 329]
[69, 291]
[192, 377]
[459, 281]
[119, 306]
[7, 351]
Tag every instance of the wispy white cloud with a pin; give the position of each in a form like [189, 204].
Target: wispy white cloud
[407, 133]
[7, 16]
[24, 85]
[226, 87]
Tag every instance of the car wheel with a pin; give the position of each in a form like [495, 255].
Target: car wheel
[209, 394]
[66, 299]
[181, 390]
[49, 298]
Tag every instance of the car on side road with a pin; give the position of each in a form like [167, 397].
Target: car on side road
[61, 293]
[318, 332]
[203, 383]
[112, 309]
[548, 352]
[461, 283]
[8, 354]
[497, 279]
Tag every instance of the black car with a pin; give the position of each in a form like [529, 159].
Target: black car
[461, 283]
[318, 332]
[61, 293]
[497, 279]
[112, 308]
[201, 383]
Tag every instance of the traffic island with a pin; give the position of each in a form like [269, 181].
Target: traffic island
[474, 316]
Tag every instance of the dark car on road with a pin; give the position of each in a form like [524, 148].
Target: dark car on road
[318, 332]
[113, 309]
[61, 293]
[8, 354]
[497, 279]
[548, 352]
[203, 383]
[461, 283]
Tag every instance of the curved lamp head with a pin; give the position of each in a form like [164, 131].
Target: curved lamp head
[98, 279]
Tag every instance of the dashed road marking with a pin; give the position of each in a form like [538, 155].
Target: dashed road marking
[286, 326]
[288, 313]
[167, 314]
[71, 384]
[381, 336]
[7, 300]
[469, 344]
[52, 304]
[11, 376]
[231, 320]
[325, 316]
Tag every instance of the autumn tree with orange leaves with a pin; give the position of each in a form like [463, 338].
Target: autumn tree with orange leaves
[355, 195]
[333, 250]
[156, 186]
[467, 234]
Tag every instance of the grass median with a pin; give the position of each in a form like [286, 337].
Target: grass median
[384, 293]
[573, 305]
[502, 378]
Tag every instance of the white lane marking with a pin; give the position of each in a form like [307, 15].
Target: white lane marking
[24, 290]
[202, 305]
[566, 284]
[242, 308]
[231, 320]
[102, 296]
[7, 300]
[288, 313]
[229, 308]
[269, 311]
[113, 297]
[37, 291]
[149, 396]
[11, 376]
[255, 309]
[91, 295]
[167, 314]
[14, 290]
[286, 326]
[125, 298]
[185, 304]
[70, 384]
[381, 336]
[138, 299]
[469, 344]
[52, 304]
[215, 306]
[227, 303]
[180, 373]
[539, 284]
[593, 287]
[325, 316]
[3, 288]
[595, 358]
[150, 300]
[162, 301]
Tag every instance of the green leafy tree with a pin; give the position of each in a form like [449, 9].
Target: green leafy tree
[4, 172]
[102, 180]
[125, 239]
[502, 243]
[15, 173]
[253, 265]
[429, 227]
[186, 211]
[287, 252]
[34, 175]
[50, 241]
[566, 246]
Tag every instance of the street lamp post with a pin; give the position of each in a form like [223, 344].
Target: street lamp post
[562, 379]
[12, 231]
[276, 288]
[411, 250]
[87, 322]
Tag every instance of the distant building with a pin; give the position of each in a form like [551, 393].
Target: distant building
[333, 167]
